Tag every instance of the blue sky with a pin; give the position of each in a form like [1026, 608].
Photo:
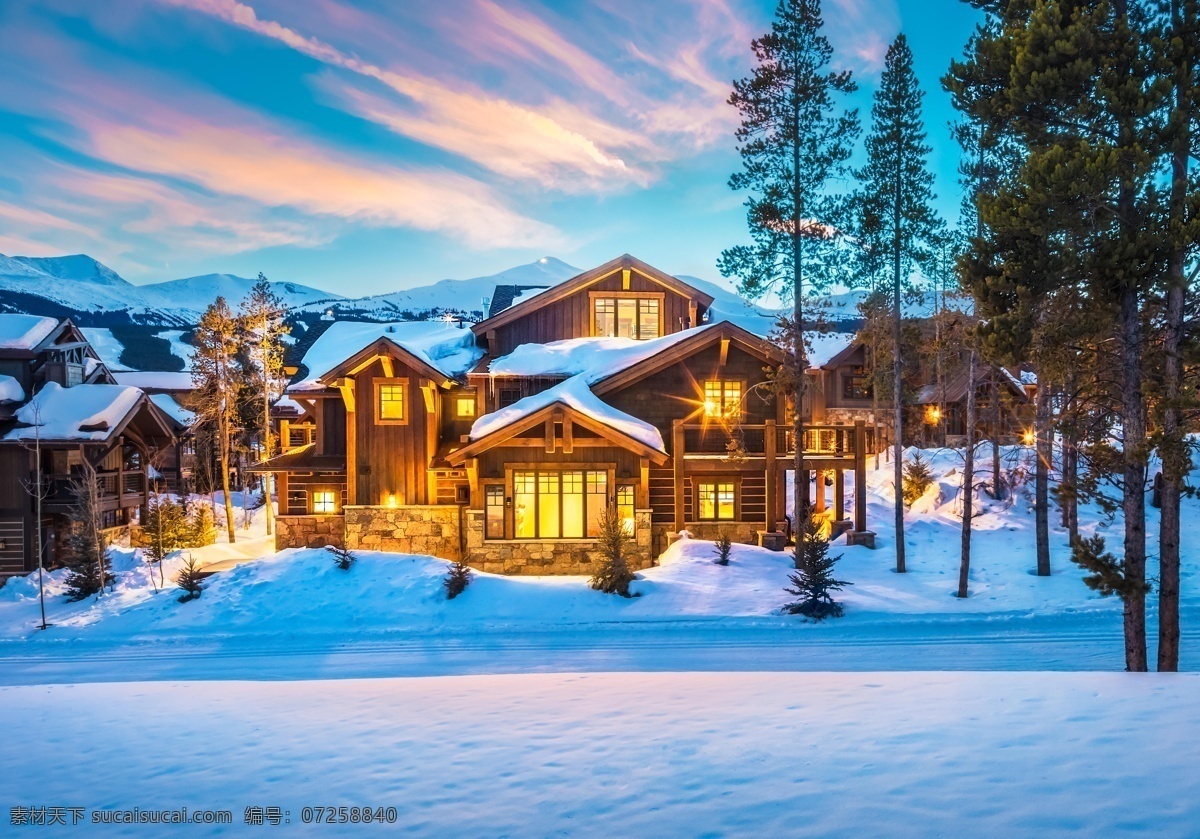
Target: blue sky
[367, 146]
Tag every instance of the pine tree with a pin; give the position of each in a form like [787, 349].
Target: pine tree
[262, 316]
[792, 143]
[723, 548]
[201, 523]
[343, 557]
[214, 373]
[968, 484]
[189, 578]
[87, 554]
[458, 577]
[813, 581]
[918, 477]
[613, 574]
[166, 527]
[897, 194]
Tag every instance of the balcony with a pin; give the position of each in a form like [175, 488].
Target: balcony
[118, 489]
[820, 441]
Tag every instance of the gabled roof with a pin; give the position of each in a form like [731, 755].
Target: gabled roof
[25, 336]
[956, 385]
[506, 295]
[694, 341]
[302, 459]
[84, 414]
[569, 287]
[442, 350]
[838, 358]
[577, 404]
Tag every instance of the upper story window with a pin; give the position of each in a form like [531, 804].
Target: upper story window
[464, 407]
[391, 401]
[627, 317]
[856, 384]
[722, 399]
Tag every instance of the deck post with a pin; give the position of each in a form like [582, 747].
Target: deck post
[819, 487]
[839, 494]
[677, 447]
[860, 476]
[772, 476]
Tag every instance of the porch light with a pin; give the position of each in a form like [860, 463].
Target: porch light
[932, 415]
[391, 500]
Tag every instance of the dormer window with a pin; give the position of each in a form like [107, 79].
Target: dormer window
[627, 316]
[391, 401]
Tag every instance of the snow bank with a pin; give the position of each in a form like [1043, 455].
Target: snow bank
[83, 412]
[10, 390]
[442, 345]
[24, 332]
[575, 393]
[156, 380]
[592, 358]
[173, 409]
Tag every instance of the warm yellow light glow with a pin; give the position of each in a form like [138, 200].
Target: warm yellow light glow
[1028, 438]
[712, 409]
[932, 415]
[391, 500]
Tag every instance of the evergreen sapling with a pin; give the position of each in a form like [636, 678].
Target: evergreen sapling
[613, 575]
[723, 548]
[457, 579]
[188, 579]
[342, 556]
[814, 580]
[918, 478]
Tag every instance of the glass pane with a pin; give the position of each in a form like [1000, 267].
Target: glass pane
[733, 397]
[465, 407]
[391, 401]
[494, 512]
[712, 399]
[725, 501]
[524, 505]
[597, 500]
[625, 508]
[627, 318]
[708, 501]
[572, 499]
[606, 321]
[548, 505]
[647, 319]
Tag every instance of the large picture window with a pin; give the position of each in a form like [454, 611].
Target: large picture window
[722, 399]
[627, 317]
[716, 500]
[856, 384]
[565, 504]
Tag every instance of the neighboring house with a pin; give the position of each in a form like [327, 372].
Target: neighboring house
[171, 392]
[1015, 404]
[841, 391]
[505, 443]
[54, 387]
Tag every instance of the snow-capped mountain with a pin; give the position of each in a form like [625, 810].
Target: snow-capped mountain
[466, 296]
[79, 287]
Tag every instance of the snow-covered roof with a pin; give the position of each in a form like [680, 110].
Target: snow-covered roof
[576, 394]
[10, 390]
[172, 408]
[592, 358]
[24, 332]
[823, 346]
[155, 379]
[83, 413]
[440, 344]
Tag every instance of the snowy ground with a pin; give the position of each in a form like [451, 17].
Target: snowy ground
[665, 754]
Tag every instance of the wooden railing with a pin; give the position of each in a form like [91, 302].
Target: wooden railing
[126, 486]
[752, 440]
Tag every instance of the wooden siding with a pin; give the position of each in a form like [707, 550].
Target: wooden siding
[677, 391]
[571, 317]
[393, 459]
[300, 485]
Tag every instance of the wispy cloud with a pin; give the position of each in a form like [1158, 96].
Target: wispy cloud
[861, 31]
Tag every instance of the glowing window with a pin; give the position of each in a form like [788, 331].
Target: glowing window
[722, 399]
[625, 507]
[324, 502]
[392, 402]
[464, 407]
[493, 506]
[716, 500]
[626, 317]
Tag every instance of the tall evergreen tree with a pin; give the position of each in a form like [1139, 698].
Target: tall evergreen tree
[262, 317]
[792, 143]
[897, 193]
[214, 373]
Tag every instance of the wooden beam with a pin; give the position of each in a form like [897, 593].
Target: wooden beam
[473, 481]
[285, 436]
[346, 386]
[839, 495]
[643, 493]
[625, 272]
[693, 313]
[772, 474]
[549, 433]
[568, 436]
[819, 486]
[677, 452]
[860, 476]
[389, 369]
[429, 391]
[724, 352]
[351, 445]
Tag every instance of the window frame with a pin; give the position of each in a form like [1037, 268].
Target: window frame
[333, 497]
[606, 471]
[725, 413]
[637, 297]
[716, 481]
[459, 401]
[857, 373]
[406, 400]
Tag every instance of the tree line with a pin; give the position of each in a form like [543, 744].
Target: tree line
[1077, 242]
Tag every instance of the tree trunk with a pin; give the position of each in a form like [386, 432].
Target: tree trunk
[266, 447]
[229, 525]
[999, 491]
[800, 484]
[964, 566]
[898, 393]
[1176, 459]
[1133, 500]
[1043, 441]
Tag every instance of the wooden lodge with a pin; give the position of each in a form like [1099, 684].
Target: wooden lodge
[503, 443]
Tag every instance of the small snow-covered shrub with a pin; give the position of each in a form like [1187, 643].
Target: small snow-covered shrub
[613, 575]
[814, 580]
[723, 548]
[202, 523]
[918, 477]
[342, 556]
[189, 579]
[457, 579]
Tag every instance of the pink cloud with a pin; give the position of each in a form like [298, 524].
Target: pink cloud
[860, 32]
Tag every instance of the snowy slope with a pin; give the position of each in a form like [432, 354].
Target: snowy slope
[196, 293]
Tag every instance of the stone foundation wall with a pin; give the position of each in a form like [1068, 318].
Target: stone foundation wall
[434, 530]
[847, 416]
[544, 557]
[308, 531]
[741, 532]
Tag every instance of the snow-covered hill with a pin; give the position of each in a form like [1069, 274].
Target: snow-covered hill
[196, 293]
